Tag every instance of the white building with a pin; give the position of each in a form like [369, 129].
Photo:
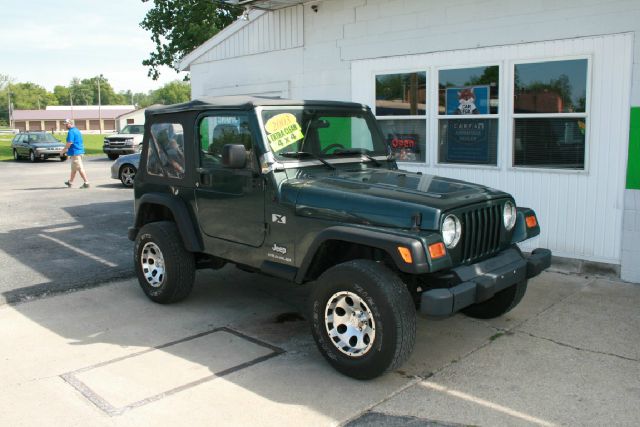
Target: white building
[555, 88]
[135, 117]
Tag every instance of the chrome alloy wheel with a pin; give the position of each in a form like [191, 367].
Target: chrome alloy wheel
[152, 263]
[127, 174]
[349, 323]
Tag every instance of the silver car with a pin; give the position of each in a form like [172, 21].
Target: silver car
[125, 169]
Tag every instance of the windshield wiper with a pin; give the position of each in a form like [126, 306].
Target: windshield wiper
[361, 151]
[302, 154]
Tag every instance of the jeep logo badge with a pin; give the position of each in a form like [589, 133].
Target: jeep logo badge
[279, 249]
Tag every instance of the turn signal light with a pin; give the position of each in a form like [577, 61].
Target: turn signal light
[405, 253]
[437, 250]
[531, 221]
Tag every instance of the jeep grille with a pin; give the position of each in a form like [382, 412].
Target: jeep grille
[480, 233]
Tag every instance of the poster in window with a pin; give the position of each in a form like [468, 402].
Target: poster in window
[467, 141]
[405, 147]
[468, 100]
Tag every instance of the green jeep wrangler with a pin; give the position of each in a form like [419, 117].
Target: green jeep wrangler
[307, 191]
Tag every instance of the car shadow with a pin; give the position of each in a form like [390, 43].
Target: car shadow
[90, 249]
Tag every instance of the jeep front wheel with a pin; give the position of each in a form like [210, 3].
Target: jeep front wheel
[165, 269]
[363, 319]
[501, 303]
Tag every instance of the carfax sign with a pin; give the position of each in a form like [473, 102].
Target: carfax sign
[467, 141]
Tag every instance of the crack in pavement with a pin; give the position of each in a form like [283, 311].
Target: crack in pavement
[604, 353]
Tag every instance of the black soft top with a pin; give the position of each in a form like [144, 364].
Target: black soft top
[243, 103]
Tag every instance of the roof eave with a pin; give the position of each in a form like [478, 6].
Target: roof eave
[185, 62]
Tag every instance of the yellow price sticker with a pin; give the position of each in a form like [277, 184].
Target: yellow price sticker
[283, 130]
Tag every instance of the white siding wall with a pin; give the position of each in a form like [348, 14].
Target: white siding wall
[580, 212]
[277, 73]
[278, 30]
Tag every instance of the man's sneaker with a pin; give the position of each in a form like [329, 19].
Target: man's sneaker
[85, 185]
[67, 183]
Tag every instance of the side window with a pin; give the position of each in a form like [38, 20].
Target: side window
[550, 114]
[166, 150]
[220, 130]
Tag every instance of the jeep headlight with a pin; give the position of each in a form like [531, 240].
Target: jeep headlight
[451, 231]
[509, 215]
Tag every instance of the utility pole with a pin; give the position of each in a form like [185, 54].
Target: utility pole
[99, 105]
[9, 106]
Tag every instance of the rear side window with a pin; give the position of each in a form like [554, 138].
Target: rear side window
[166, 150]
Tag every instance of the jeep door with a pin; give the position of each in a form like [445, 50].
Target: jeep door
[230, 202]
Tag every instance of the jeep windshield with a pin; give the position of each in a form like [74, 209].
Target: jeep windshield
[323, 133]
[133, 129]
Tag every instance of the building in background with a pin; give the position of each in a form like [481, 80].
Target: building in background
[135, 117]
[89, 118]
[541, 100]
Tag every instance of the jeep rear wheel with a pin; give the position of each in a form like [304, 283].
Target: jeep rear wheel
[165, 269]
[363, 319]
[501, 303]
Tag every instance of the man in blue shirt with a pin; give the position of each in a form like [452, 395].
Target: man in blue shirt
[75, 149]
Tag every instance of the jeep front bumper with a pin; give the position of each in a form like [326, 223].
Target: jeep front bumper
[480, 281]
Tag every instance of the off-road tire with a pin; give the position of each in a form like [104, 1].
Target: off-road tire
[113, 156]
[390, 306]
[501, 303]
[179, 264]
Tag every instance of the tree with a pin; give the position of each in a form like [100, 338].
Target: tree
[30, 96]
[5, 98]
[171, 93]
[179, 26]
[85, 92]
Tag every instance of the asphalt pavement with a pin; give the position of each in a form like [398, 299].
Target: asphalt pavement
[54, 238]
[239, 351]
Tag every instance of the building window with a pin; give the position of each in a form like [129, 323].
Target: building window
[468, 103]
[401, 111]
[166, 150]
[550, 114]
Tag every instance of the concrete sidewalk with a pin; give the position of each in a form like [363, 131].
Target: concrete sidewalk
[237, 353]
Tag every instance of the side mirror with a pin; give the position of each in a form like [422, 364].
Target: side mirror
[234, 156]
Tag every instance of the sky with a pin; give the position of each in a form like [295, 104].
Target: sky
[51, 42]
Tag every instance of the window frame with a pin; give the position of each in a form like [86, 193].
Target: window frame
[425, 117]
[225, 113]
[436, 117]
[511, 116]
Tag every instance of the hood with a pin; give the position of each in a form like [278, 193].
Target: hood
[382, 197]
[125, 135]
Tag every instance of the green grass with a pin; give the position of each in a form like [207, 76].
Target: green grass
[92, 145]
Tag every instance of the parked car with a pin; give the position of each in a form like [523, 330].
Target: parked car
[125, 169]
[127, 141]
[36, 146]
[307, 191]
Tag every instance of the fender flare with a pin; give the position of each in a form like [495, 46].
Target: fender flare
[190, 238]
[387, 242]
